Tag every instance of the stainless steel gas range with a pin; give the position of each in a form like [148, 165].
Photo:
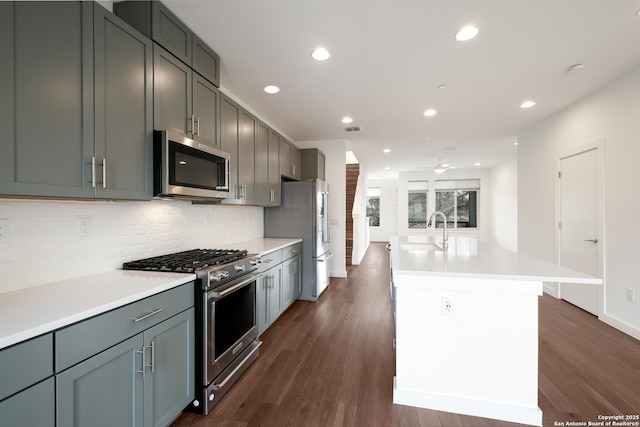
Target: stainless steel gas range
[226, 328]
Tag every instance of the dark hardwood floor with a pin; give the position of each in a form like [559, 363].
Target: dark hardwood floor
[331, 363]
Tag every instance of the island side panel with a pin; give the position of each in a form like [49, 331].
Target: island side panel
[478, 358]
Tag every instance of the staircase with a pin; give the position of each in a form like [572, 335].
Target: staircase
[353, 171]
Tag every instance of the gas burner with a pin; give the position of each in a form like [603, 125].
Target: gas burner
[188, 261]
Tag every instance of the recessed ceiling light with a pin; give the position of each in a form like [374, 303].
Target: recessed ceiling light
[466, 33]
[442, 86]
[527, 104]
[386, 150]
[347, 120]
[320, 54]
[430, 112]
[477, 164]
[515, 144]
[387, 168]
[271, 89]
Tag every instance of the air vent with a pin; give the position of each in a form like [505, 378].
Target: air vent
[352, 129]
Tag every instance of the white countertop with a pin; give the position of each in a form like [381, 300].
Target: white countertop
[466, 257]
[30, 312]
[263, 246]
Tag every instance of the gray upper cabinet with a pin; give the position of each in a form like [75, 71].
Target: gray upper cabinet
[123, 108]
[313, 164]
[238, 138]
[267, 166]
[155, 21]
[56, 138]
[274, 178]
[46, 99]
[184, 100]
[290, 160]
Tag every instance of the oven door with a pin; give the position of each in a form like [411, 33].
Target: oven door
[230, 328]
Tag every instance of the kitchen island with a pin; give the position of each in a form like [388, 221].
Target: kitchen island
[467, 326]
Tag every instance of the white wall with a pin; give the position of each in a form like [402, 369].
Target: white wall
[612, 113]
[44, 246]
[388, 209]
[336, 176]
[504, 205]
[484, 213]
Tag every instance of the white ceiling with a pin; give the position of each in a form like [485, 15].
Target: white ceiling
[389, 57]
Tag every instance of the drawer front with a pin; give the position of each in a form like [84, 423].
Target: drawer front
[25, 364]
[291, 251]
[270, 260]
[84, 339]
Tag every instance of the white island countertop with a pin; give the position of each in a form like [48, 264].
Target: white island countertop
[30, 312]
[466, 257]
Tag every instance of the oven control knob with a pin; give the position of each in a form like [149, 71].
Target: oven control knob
[239, 267]
[255, 261]
[215, 277]
[224, 274]
[211, 397]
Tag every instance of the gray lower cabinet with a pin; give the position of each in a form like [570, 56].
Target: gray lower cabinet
[146, 380]
[60, 135]
[27, 387]
[34, 406]
[280, 284]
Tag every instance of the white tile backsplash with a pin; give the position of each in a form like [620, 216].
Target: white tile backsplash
[44, 245]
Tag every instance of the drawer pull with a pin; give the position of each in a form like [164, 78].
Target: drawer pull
[146, 316]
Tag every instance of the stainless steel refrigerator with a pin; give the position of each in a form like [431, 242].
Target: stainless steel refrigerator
[304, 213]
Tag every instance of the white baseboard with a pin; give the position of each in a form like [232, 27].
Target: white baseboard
[551, 289]
[458, 405]
[341, 274]
[619, 324]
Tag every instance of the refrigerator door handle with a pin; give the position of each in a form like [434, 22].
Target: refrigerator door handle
[325, 258]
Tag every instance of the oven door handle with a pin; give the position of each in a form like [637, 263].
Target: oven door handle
[222, 383]
[231, 289]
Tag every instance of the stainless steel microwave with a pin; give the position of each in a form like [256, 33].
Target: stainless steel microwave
[186, 169]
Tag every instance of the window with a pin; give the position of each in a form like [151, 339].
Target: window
[417, 209]
[458, 200]
[373, 206]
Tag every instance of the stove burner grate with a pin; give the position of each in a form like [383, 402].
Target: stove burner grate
[187, 261]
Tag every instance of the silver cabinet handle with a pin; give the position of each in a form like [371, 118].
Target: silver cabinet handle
[144, 360]
[193, 126]
[198, 127]
[153, 356]
[93, 172]
[591, 240]
[146, 316]
[104, 172]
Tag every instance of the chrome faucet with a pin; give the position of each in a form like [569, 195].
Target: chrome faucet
[445, 237]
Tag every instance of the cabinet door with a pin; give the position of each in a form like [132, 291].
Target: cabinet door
[296, 277]
[34, 406]
[285, 157]
[206, 101]
[105, 390]
[262, 309]
[169, 379]
[286, 294]
[206, 61]
[46, 98]
[123, 108]
[296, 161]
[263, 191]
[275, 288]
[170, 32]
[171, 92]
[274, 169]
[246, 156]
[229, 113]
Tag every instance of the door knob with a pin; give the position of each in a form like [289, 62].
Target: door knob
[591, 240]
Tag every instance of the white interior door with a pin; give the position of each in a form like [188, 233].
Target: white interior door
[579, 225]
